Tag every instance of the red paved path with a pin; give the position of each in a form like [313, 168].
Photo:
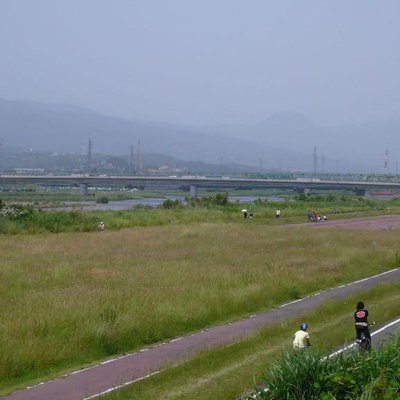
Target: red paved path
[95, 380]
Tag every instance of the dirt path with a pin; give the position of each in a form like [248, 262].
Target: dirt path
[111, 374]
[383, 222]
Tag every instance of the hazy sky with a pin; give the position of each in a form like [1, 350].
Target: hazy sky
[205, 61]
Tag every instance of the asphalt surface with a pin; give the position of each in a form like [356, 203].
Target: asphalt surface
[111, 374]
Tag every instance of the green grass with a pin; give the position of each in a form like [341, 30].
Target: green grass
[73, 298]
[227, 372]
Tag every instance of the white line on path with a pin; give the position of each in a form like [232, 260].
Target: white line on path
[121, 386]
[353, 344]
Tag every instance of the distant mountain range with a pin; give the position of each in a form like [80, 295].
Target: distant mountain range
[283, 141]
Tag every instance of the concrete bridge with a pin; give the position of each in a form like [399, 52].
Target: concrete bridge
[193, 183]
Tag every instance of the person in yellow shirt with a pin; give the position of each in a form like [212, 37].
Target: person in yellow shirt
[301, 338]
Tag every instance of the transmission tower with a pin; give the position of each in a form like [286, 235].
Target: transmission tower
[89, 156]
[138, 159]
[131, 160]
[315, 161]
[386, 161]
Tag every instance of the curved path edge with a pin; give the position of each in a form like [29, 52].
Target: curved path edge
[92, 382]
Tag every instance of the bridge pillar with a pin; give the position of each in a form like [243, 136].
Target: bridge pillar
[360, 192]
[193, 191]
[83, 189]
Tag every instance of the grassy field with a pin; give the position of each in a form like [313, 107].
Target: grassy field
[227, 372]
[72, 298]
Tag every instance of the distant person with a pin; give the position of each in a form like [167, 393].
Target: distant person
[334, 210]
[251, 214]
[278, 213]
[101, 227]
[301, 338]
[309, 215]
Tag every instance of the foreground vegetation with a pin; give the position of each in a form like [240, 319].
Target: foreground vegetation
[354, 376]
[227, 372]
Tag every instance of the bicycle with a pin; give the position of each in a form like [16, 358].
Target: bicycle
[364, 342]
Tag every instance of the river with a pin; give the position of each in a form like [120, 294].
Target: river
[151, 202]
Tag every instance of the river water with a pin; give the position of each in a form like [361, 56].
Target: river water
[151, 202]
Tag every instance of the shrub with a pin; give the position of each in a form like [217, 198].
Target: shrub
[15, 211]
[218, 199]
[169, 204]
[102, 200]
[353, 376]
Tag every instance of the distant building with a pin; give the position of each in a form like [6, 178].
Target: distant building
[28, 171]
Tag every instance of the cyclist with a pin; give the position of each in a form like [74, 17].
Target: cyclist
[361, 322]
[301, 338]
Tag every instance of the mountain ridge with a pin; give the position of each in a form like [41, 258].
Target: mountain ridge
[281, 141]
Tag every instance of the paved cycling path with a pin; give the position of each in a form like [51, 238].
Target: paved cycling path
[91, 382]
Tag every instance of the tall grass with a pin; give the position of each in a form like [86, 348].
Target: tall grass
[72, 298]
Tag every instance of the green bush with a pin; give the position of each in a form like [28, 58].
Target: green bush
[356, 375]
[102, 200]
[218, 199]
[170, 204]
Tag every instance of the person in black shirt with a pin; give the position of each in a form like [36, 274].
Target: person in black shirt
[361, 321]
